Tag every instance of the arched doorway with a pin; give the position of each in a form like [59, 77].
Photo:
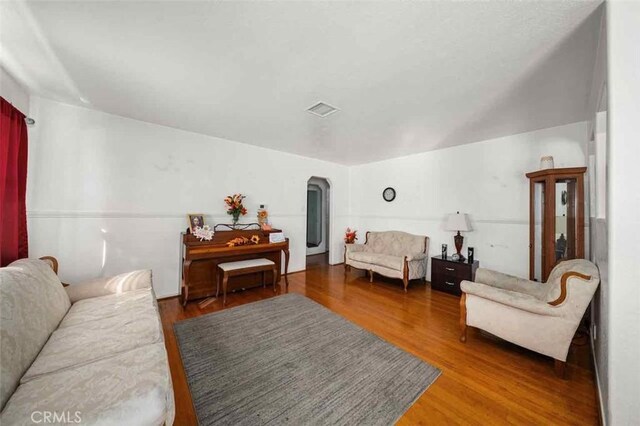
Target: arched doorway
[318, 226]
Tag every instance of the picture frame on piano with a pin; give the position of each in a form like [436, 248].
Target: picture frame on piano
[195, 220]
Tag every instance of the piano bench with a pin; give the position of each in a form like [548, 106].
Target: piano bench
[243, 267]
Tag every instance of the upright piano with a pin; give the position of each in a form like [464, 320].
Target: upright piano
[200, 260]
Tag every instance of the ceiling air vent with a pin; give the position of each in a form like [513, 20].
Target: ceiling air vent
[322, 110]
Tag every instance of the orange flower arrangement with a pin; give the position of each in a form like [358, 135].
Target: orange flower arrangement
[235, 207]
[350, 236]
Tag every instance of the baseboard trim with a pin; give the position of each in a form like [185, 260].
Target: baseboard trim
[168, 297]
[603, 419]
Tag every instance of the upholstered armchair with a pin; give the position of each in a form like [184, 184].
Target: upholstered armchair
[542, 317]
[394, 254]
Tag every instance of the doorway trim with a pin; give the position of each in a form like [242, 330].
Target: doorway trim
[330, 210]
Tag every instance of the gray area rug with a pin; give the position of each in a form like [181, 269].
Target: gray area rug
[289, 360]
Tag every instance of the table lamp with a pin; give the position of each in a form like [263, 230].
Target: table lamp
[458, 222]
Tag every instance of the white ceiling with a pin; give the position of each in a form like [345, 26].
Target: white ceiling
[406, 77]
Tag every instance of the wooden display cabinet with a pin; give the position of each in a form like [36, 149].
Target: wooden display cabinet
[556, 219]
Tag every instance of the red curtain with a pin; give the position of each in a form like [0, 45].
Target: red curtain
[13, 184]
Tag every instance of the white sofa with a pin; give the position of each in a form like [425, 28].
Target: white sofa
[542, 317]
[394, 254]
[89, 354]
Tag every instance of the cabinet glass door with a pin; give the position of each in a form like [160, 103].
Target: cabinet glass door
[538, 242]
[565, 226]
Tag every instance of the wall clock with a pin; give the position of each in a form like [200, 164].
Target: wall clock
[389, 194]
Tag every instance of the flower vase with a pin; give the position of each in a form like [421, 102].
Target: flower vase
[236, 217]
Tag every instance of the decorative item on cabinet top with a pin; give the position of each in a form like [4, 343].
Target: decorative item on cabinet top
[546, 162]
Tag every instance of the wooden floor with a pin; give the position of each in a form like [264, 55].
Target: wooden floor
[317, 260]
[485, 381]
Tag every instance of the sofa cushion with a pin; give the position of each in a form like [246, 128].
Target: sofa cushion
[396, 243]
[100, 308]
[72, 346]
[133, 387]
[388, 261]
[32, 304]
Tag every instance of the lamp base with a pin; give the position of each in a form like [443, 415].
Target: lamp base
[458, 240]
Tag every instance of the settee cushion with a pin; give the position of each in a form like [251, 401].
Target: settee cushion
[119, 331]
[388, 261]
[32, 304]
[130, 388]
[395, 243]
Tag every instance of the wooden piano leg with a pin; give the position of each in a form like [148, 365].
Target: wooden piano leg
[184, 295]
[275, 278]
[185, 273]
[225, 280]
[286, 268]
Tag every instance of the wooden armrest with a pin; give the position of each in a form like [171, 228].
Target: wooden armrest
[563, 285]
[52, 261]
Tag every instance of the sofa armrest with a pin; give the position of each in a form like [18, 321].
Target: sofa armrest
[510, 298]
[351, 248]
[110, 285]
[416, 256]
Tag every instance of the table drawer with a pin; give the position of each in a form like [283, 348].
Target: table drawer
[446, 282]
[461, 270]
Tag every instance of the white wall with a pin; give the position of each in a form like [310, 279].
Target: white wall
[485, 179]
[13, 92]
[623, 87]
[108, 194]
[598, 246]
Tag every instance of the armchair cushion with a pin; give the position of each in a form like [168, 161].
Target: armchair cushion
[110, 285]
[509, 282]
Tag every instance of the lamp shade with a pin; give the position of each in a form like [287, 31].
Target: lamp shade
[458, 222]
